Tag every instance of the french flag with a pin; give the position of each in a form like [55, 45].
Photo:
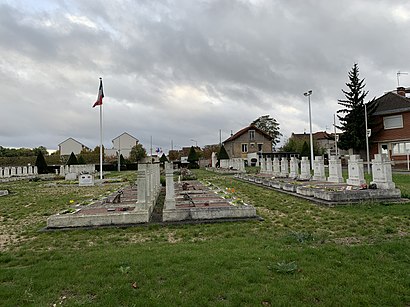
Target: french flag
[100, 95]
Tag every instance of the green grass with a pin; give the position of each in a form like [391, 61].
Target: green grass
[301, 254]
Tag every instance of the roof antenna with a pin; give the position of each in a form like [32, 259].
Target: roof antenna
[398, 76]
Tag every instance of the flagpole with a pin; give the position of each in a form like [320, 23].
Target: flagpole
[101, 148]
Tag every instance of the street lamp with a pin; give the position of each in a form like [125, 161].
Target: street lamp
[307, 94]
[196, 142]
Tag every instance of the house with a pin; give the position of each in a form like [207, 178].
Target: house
[122, 144]
[323, 140]
[248, 143]
[390, 126]
[71, 145]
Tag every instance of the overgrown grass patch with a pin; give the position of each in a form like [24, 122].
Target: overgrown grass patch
[301, 254]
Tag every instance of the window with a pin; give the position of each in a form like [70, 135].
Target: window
[244, 147]
[260, 146]
[393, 122]
[401, 148]
[251, 135]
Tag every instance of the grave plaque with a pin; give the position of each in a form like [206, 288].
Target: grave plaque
[86, 180]
[356, 173]
[304, 169]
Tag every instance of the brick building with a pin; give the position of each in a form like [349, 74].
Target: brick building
[390, 125]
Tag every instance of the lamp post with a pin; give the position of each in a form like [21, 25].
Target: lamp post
[307, 94]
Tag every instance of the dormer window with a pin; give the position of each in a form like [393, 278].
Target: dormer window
[251, 135]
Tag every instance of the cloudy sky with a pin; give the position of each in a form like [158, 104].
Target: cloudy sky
[181, 70]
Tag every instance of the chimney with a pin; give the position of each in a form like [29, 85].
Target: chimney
[401, 91]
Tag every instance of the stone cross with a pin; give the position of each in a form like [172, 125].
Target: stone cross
[381, 170]
[335, 170]
[305, 169]
[356, 172]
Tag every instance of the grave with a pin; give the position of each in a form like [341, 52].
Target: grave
[319, 169]
[86, 180]
[304, 169]
[276, 167]
[294, 168]
[4, 192]
[335, 170]
[382, 174]
[284, 167]
[356, 172]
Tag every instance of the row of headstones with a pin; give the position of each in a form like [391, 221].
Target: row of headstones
[20, 171]
[148, 183]
[381, 170]
[77, 169]
[233, 163]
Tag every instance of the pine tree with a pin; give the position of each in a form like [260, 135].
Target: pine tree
[305, 151]
[163, 159]
[81, 160]
[352, 120]
[223, 155]
[72, 160]
[41, 163]
[193, 158]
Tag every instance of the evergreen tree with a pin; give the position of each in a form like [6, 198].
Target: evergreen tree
[41, 163]
[193, 158]
[72, 160]
[81, 160]
[270, 126]
[163, 159]
[305, 151]
[223, 155]
[352, 120]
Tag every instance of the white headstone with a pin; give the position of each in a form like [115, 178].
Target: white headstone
[305, 169]
[214, 160]
[6, 172]
[141, 185]
[1, 172]
[335, 170]
[276, 167]
[284, 167]
[62, 170]
[269, 169]
[71, 176]
[19, 171]
[170, 189]
[355, 169]
[13, 171]
[24, 170]
[382, 174]
[35, 170]
[319, 169]
[294, 167]
[263, 166]
[30, 170]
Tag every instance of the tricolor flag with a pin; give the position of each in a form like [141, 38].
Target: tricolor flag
[100, 95]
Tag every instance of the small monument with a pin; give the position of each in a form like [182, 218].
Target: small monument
[305, 169]
[263, 166]
[214, 160]
[86, 180]
[276, 167]
[284, 167]
[294, 167]
[269, 169]
[319, 169]
[335, 170]
[356, 173]
[381, 170]
[170, 189]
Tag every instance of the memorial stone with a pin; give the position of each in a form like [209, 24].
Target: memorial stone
[335, 170]
[214, 160]
[6, 172]
[170, 189]
[319, 169]
[284, 167]
[305, 169]
[269, 169]
[382, 174]
[356, 172]
[276, 167]
[19, 171]
[263, 167]
[294, 167]
[85, 180]
[13, 171]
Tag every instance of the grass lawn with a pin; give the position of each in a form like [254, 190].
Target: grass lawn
[301, 254]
